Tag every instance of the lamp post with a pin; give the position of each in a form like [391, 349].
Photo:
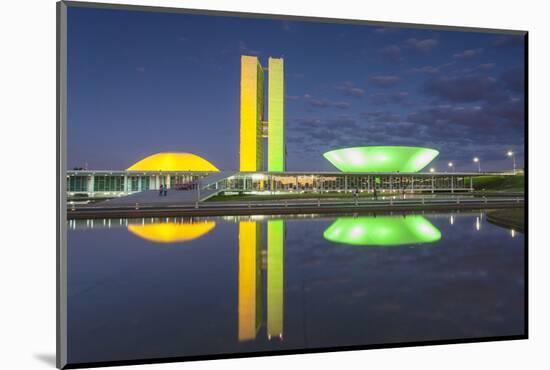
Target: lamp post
[513, 155]
[432, 170]
[452, 185]
[476, 160]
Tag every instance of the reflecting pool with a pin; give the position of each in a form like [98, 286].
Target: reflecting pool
[165, 287]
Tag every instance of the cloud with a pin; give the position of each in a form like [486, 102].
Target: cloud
[308, 122]
[424, 45]
[324, 103]
[487, 66]
[316, 103]
[468, 54]
[397, 97]
[426, 69]
[449, 115]
[380, 117]
[286, 26]
[344, 121]
[514, 79]
[324, 135]
[348, 89]
[454, 129]
[292, 97]
[511, 110]
[385, 30]
[345, 130]
[508, 41]
[468, 88]
[318, 134]
[465, 123]
[140, 69]
[312, 130]
[392, 53]
[384, 81]
[295, 139]
[429, 69]
[342, 105]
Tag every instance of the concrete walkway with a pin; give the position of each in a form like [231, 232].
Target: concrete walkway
[152, 198]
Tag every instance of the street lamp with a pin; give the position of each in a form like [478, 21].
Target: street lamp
[432, 170]
[513, 155]
[451, 167]
[476, 160]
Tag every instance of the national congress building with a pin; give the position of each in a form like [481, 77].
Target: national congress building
[262, 157]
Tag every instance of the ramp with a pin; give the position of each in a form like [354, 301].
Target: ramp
[209, 186]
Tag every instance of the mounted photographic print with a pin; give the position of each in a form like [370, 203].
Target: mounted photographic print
[234, 184]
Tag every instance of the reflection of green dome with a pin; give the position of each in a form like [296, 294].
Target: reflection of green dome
[382, 230]
[381, 158]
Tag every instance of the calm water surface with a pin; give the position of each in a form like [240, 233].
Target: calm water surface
[147, 288]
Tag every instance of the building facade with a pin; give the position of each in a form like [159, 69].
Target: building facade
[252, 115]
[110, 184]
[276, 116]
[254, 126]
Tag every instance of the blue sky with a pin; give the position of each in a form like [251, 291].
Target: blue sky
[145, 82]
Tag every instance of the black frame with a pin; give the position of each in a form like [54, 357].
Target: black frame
[61, 215]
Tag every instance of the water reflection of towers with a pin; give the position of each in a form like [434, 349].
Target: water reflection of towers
[253, 261]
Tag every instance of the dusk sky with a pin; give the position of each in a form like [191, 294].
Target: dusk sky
[143, 82]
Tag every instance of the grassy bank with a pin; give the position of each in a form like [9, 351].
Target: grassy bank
[499, 183]
[513, 218]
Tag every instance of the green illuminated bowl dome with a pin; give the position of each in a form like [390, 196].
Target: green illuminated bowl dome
[382, 230]
[381, 158]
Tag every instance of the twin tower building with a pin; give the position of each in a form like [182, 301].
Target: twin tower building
[256, 126]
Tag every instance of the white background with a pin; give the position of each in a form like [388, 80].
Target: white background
[27, 186]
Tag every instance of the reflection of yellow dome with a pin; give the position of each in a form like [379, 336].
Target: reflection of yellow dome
[171, 232]
[173, 162]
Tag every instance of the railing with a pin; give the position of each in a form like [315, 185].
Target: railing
[360, 203]
[319, 203]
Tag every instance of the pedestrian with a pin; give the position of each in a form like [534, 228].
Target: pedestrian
[375, 194]
[164, 190]
[160, 190]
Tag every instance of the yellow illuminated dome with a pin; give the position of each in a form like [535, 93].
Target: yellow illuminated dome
[173, 162]
[171, 232]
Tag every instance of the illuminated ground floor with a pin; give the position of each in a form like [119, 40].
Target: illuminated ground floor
[106, 184]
